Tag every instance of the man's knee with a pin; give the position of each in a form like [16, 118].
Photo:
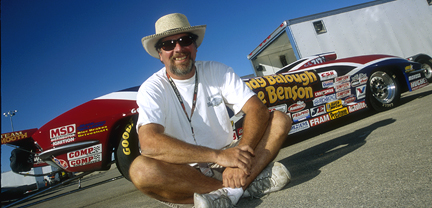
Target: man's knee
[281, 121]
[140, 172]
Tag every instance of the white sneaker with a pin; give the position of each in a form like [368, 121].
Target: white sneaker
[218, 198]
[273, 178]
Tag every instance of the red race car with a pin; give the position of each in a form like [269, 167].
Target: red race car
[312, 91]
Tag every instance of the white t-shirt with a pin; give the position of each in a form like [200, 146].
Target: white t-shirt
[218, 86]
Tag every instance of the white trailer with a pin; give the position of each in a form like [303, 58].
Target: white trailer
[394, 27]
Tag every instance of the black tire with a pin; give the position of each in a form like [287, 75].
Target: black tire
[21, 160]
[427, 66]
[128, 147]
[383, 90]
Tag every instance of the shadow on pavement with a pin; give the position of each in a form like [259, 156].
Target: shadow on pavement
[306, 165]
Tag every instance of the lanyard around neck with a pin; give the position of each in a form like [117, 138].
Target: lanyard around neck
[173, 85]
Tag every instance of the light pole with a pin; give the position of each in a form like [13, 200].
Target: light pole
[10, 114]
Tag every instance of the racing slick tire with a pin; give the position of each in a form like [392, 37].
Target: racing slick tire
[426, 64]
[21, 161]
[383, 90]
[128, 147]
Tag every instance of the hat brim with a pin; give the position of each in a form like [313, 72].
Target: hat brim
[150, 41]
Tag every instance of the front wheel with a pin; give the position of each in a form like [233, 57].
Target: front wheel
[383, 90]
[426, 65]
[128, 148]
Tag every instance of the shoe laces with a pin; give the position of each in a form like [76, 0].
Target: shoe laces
[262, 183]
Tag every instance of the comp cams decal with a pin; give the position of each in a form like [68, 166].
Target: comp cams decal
[283, 87]
[85, 156]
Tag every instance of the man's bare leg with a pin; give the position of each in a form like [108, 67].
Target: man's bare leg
[269, 146]
[170, 182]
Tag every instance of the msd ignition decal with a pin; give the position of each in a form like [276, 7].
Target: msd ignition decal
[319, 120]
[63, 135]
[299, 127]
[317, 111]
[283, 87]
[359, 79]
[327, 75]
[300, 116]
[85, 156]
[92, 128]
[418, 84]
[357, 106]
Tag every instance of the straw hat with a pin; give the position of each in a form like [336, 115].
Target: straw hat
[168, 25]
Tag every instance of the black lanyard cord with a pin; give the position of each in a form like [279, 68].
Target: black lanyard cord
[173, 85]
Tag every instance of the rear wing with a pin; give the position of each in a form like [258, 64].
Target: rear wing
[17, 137]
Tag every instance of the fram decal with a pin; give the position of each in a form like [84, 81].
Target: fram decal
[297, 107]
[357, 106]
[361, 92]
[324, 92]
[299, 127]
[418, 84]
[300, 116]
[327, 75]
[283, 87]
[339, 113]
[334, 105]
[319, 120]
[316, 111]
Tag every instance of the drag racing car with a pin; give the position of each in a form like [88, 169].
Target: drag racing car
[311, 91]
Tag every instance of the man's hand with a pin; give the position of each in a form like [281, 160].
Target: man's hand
[236, 157]
[234, 178]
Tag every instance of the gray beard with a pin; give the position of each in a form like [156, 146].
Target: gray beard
[182, 69]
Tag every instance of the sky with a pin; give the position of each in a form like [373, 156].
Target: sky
[56, 55]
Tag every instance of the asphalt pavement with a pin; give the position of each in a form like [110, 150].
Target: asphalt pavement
[363, 160]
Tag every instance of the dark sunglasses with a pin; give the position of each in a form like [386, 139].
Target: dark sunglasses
[171, 44]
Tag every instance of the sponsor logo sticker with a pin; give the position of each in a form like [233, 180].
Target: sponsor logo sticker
[357, 106]
[95, 149]
[334, 105]
[316, 111]
[299, 127]
[343, 94]
[344, 78]
[339, 113]
[413, 77]
[86, 160]
[418, 84]
[300, 116]
[296, 107]
[342, 86]
[327, 84]
[327, 75]
[324, 92]
[319, 120]
[324, 99]
[361, 92]
[282, 108]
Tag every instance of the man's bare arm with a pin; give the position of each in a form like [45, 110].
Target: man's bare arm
[157, 145]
